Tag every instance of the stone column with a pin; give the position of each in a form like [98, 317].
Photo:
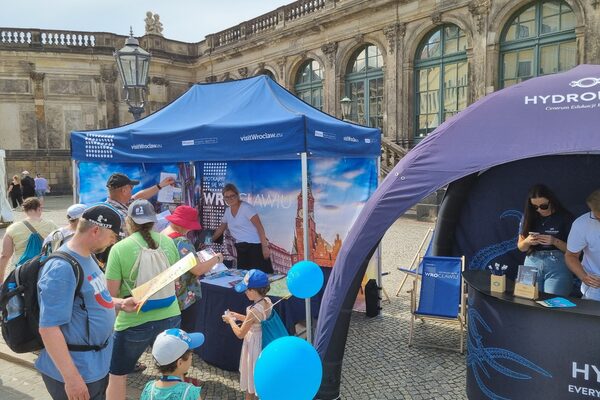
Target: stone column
[40, 109]
[330, 95]
[394, 34]
[158, 94]
[108, 76]
[477, 53]
[591, 53]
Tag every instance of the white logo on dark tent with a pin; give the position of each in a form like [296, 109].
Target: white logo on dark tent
[585, 82]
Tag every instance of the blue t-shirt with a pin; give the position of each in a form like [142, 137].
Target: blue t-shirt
[59, 307]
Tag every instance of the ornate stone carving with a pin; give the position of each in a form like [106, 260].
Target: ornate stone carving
[37, 77]
[226, 76]
[595, 3]
[330, 50]
[261, 66]
[210, 79]
[160, 81]
[479, 10]
[108, 73]
[243, 72]
[436, 18]
[392, 32]
[153, 24]
[303, 55]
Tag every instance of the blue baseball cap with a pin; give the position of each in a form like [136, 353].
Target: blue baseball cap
[253, 279]
[171, 344]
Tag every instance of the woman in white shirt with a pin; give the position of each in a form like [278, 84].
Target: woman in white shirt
[244, 224]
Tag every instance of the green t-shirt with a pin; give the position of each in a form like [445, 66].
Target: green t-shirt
[121, 259]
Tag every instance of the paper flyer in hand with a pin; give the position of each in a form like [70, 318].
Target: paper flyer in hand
[206, 254]
[142, 293]
[556, 302]
[169, 194]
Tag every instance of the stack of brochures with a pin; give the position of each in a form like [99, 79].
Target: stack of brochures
[556, 302]
[527, 275]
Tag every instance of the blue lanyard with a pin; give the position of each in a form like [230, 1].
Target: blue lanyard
[170, 378]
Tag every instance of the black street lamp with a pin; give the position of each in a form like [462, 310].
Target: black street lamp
[133, 63]
[346, 104]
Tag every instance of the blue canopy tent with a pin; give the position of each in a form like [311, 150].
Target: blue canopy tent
[253, 118]
[249, 119]
[550, 115]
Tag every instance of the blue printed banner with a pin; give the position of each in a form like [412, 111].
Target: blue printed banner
[337, 190]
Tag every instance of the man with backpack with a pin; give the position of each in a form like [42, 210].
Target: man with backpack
[83, 318]
[23, 240]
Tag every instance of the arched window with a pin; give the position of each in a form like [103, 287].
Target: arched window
[538, 40]
[267, 73]
[441, 78]
[364, 86]
[309, 85]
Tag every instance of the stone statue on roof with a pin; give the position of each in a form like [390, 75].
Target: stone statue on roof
[153, 24]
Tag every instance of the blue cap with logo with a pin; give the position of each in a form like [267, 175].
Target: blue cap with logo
[253, 279]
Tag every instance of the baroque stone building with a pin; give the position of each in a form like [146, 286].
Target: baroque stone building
[406, 65]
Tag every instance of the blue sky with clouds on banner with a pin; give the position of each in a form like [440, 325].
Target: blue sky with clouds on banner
[183, 20]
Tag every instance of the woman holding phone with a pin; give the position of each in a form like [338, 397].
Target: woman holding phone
[543, 236]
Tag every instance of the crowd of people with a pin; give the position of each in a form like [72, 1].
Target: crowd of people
[118, 249]
[554, 242]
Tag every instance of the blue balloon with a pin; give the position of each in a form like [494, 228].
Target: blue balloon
[288, 368]
[305, 279]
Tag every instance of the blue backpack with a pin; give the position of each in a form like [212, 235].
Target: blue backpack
[272, 327]
[34, 245]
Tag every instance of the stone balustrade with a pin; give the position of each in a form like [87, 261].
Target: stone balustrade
[15, 37]
[10, 36]
[391, 153]
[269, 21]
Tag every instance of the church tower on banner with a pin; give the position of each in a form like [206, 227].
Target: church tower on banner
[319, 250]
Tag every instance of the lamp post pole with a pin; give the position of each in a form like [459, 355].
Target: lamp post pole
[133, 64]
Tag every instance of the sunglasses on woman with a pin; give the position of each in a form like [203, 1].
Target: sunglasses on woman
[544, 206]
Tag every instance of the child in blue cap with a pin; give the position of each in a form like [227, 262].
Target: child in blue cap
[256, 285]
[172, 352]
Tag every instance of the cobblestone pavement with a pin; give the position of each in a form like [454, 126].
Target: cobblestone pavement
[18, 382]
[377, 364]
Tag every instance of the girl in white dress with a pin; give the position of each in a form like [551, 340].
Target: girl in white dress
[256, 286]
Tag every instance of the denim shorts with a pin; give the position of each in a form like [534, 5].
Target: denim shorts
[130, 344]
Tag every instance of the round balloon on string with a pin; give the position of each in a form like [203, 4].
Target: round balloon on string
[305, 279]
[288, 368]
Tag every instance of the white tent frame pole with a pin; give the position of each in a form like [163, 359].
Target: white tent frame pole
[378, 252]
[74, 171]
[304, 163]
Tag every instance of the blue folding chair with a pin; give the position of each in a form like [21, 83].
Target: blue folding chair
[416, 266]
[442, 295]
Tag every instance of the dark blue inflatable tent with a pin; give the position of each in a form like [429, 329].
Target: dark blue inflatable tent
[551, 115]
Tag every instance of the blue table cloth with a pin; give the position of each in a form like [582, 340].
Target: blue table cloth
[221, 347]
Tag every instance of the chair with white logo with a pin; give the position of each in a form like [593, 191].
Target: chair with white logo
[441, 297]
